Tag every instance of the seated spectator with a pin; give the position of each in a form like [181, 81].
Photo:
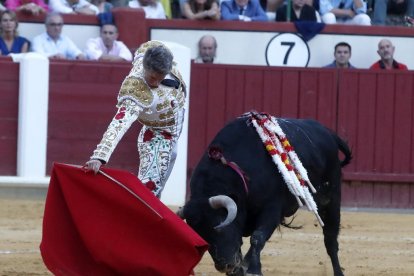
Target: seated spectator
[53, 44]
[386, 52]
[34, 7]
[342, 54]
[153, 8]
[242, 10]
[207, 47]
[107, 47]
[73, 6]
[344, 11]
[299, 11]
[10, 42]
[384, 7]
[103, 6]
[201, 9]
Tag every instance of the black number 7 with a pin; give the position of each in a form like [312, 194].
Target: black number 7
[290, 44]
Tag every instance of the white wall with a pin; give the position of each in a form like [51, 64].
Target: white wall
[249, 48]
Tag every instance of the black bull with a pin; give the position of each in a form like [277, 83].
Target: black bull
[259, 211]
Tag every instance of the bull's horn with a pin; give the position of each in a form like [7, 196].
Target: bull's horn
[220, 201]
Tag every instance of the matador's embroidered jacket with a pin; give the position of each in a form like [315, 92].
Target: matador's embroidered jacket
[160, 110]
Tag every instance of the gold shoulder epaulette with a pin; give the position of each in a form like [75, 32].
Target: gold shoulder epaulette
[137, 89]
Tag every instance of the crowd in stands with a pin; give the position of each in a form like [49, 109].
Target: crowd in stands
[343, 52]
[357, 12]
[54, 44]
[207, 48]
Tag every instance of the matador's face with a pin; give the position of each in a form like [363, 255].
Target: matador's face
[153, 78]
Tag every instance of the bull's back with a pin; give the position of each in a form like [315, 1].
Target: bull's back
[240, 143]
[315, 144]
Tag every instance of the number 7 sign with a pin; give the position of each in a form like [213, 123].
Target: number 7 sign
[287, 49]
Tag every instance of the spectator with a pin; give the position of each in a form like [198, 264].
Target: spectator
[107, 47]
[34, 7]
[299, 11]
[387, 61]
[10, 42]
[201, 9]
[53, 44]
[344, 11]
[73, 6]
[103, 5]
[207, 47]
[153, 8]
[342, 54]
[382, 7]
[242, 10]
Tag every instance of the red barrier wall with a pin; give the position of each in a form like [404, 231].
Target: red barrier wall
[219, 93]
[373, 111]
[376, 115]
[9, 108]
[81, 105]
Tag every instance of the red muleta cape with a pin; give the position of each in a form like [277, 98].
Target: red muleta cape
[93, 226]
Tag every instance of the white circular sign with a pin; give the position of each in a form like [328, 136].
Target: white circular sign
[287, 49]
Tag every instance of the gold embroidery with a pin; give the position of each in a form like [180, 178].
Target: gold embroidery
[137, 89]
[167, 123]
[163, 105]
[166, 115]
[160, 93]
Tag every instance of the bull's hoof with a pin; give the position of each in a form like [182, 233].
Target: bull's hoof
[251, 274]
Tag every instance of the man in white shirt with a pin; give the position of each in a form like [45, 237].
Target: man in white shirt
[107, 47]
[53, 44]
[207, 47]
[153, 8]
[73, 6]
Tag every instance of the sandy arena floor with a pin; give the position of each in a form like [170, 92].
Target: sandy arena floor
[370, 244]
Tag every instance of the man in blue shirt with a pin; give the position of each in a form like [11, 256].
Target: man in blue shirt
[342, 56]
[242, 10]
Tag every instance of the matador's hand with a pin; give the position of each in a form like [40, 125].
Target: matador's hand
[93, 165]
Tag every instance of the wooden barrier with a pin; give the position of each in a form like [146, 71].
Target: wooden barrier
[81, 105]
[372, 110]
[9, 102]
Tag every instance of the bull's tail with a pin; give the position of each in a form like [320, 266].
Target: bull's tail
[343, 147]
